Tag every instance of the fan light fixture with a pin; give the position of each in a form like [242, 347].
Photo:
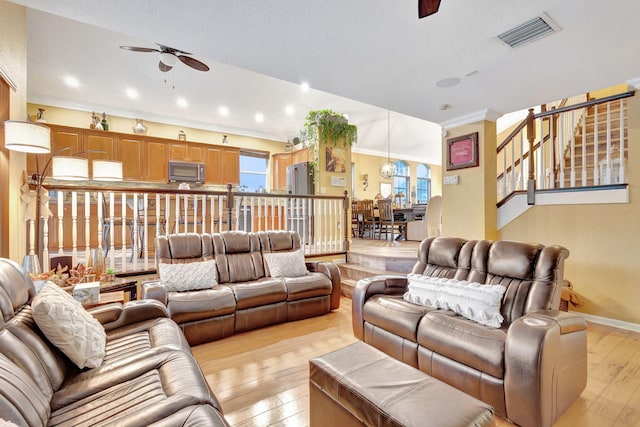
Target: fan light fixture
[388, 169]
[168, 59]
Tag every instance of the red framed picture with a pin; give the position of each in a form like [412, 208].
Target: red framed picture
[462, 152]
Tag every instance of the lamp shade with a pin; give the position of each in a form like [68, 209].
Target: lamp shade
[107, 170]
[27, 137]
[69, 168]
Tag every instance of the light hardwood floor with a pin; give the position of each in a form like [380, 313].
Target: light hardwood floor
[261, 377]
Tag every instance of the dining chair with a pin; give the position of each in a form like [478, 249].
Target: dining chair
[385, 212]
[369, 221]
[355, 219]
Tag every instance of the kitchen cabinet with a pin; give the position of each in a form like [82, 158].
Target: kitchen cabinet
[222, 165]
[131, 152]
[280, 162]
[154, 164]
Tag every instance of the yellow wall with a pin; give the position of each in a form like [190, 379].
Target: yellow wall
[368, 164]
[469, 208]
[604, 241]
[13, 60]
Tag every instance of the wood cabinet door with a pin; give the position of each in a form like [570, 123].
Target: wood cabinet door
[131, 152]
[300, 156]
[215, 169]
[178, 151]
[279, 169]
[102, 146]
[196, 153]
[154, 164]
[231, 162]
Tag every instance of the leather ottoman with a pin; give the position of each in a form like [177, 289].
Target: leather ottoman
[359, 385]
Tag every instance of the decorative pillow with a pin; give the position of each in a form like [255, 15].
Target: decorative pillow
[477, 302]
[474, 301]
[286, 264]
[69, 326]
[422, 289]
[188, 277]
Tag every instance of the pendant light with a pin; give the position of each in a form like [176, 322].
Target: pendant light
[388, 169]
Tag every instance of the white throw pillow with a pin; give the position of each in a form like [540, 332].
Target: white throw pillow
[422, 290]
[474, 301]
[286, 264]
[69, 326]
[188, 277]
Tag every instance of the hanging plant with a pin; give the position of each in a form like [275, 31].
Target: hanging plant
[328, 127]
[331, 127]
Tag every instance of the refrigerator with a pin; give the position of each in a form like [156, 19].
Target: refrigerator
[300, 210]
[299, 181]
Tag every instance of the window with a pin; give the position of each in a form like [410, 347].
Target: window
[424, 184]
[401, 178]
[253, 170]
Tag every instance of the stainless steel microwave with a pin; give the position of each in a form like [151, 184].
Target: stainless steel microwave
[186, 172]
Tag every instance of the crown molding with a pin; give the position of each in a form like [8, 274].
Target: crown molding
[477, 116]
[418, 159]
[4, 76]
[158, 118]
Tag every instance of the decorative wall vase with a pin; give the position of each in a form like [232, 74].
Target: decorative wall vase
[40, 116]
[140, 128]
[104, 123]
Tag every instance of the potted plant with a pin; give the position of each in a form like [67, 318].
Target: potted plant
[110, 275]
[329, 127]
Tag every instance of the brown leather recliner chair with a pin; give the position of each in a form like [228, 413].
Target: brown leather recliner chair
[530, 370]
[148, 376]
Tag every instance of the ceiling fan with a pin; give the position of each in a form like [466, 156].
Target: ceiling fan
[427, 7]
[170, 56]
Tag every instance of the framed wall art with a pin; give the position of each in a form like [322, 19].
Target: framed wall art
[462, 152]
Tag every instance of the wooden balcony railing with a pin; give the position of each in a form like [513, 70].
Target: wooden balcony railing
[123, 220]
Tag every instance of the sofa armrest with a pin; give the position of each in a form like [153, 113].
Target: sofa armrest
[154, 289]
[113, 316]
[332, 272]
[388, 284]
[545, 366]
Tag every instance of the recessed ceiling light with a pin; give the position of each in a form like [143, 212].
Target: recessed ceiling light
[448, 82]
[223, 110]
[289, 110]
[132, 93]
[304, 86]
[259, 117]
[181, 102]
[71, 81]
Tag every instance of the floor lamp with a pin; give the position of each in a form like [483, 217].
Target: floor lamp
[28, 137]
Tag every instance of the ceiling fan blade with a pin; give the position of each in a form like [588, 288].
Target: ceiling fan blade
[427, 7]
[139, 49]
[174, 51]
[164, 67]
[193, 63]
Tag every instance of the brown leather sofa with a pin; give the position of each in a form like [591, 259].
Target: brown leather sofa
[530, 370]
[246, 296]
[148, 376]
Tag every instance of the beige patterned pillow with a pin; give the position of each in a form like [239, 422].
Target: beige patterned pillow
[188, 277]
[69, 326]
[286, 264]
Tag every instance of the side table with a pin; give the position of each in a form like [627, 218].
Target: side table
[126, 284]
[106, 298]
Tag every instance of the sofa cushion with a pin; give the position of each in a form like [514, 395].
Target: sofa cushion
[188, 277]
[203, 304]
[307, 286]
[464, 341]
[392, 313]
[258, 293]
[286, 264]
[69, 326]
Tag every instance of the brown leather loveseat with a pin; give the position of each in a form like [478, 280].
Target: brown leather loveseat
[530, 369]
[148, 376]
[246, 295]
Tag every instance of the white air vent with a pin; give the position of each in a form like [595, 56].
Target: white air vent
[533, 29]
